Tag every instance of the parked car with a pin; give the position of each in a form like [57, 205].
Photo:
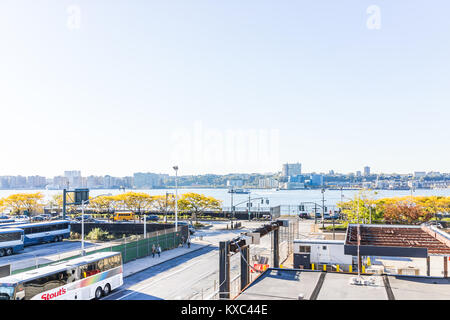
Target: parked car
[152, 217]
[438, 224]
[37, 218]
[22, 218]
[190, 226]
[303, 215]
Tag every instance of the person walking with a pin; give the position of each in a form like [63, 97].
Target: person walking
[153, 250]
[182, 241]
[189, 242]
[158, 249]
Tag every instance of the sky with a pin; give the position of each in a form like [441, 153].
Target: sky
[117, 87]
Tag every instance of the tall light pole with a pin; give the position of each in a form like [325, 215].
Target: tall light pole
[83, 202]
[323, 207]
[167, 194]
[176, 197]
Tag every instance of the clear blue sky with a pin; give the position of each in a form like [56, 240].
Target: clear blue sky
[129, 89]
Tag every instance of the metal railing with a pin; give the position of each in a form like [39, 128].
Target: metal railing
[132, 248]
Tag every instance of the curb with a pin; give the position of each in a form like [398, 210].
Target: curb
[156, 264]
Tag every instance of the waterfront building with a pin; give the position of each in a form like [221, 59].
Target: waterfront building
[291, 169]
[267, 183]
[235, 183]
[147, 180]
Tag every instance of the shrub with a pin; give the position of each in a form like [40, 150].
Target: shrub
[75, 235]
[98, 234]
[198, 225]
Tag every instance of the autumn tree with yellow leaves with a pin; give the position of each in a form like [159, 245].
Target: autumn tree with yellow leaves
[20, 202]
[196, 204]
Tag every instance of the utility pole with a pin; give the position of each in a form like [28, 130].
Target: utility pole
[249, 204]
[64, 204]
[232, 208]
[323, 207]
[315, 213]
[165, 217]
[176, 198]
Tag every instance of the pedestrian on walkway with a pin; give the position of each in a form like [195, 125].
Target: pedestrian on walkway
[153, 250]
[182, 241]
[159, 250]
[189, 242]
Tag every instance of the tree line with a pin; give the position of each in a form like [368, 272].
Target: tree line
[395, 210]
[191, 203]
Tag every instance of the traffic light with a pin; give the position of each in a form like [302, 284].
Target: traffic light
[81, 195]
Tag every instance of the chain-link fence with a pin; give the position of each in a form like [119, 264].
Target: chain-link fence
[133, 247]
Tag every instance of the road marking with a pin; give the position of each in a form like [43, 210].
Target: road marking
[155, 281]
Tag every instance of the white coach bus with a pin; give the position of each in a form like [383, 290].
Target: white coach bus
[11, 241]
[88, 277]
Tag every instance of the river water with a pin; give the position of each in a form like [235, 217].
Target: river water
[281, 197]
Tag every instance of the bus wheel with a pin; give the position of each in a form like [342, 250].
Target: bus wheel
[9, 251]
[2, 252]
[107, 289]
[98, 293]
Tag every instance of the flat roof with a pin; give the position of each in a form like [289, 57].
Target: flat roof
[319, 241]
[399, 236]
[415, 288]
[280, 284]
[10, 230]
[289, 284]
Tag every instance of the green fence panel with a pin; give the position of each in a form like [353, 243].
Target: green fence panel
[130, 251]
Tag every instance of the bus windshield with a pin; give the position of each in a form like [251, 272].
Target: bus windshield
[6, 291]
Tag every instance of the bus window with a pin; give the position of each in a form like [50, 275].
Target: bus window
[71, 276]
[45, 283]
[89, 270]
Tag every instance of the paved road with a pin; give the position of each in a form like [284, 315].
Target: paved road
[192, 276]
[42, 253]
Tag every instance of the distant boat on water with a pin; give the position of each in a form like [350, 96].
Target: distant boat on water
[239, 191]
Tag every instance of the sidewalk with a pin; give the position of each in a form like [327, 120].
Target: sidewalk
[141, 264]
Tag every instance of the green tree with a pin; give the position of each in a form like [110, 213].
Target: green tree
[136, 202]
[20, 202]
[196, 204]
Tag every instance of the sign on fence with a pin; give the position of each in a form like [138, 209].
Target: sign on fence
[260, 267]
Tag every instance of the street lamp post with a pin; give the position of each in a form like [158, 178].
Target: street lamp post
[176, 197]
[323, 207]
[83, 202]
[167, 194]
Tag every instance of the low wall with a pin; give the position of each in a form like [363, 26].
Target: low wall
[127, 228]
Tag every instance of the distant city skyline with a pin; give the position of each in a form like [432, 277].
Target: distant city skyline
[365, 170]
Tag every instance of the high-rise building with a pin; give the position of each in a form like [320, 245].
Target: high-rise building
[419, 174]
[235, 183]
[147, 180]
[291, 169]
[74, 178]
[367, 171]
[316, 179]
[267, 183]
[36, 182]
